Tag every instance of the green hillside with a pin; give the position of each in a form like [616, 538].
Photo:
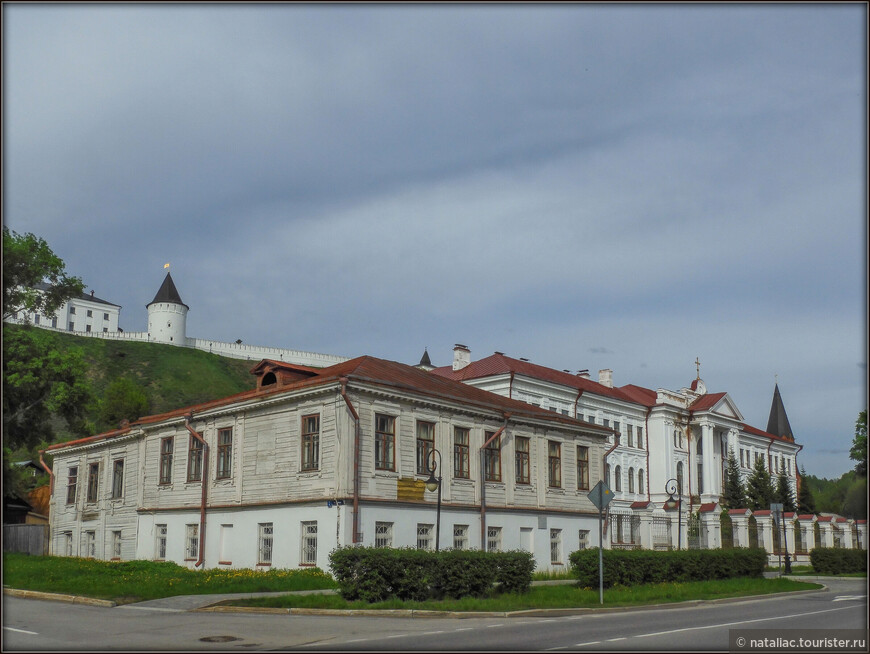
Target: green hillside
[173, 377]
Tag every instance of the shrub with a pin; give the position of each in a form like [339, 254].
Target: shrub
[833, 560]
[635, 567]
[515, 570]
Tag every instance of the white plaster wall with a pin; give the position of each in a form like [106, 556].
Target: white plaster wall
[167, 323]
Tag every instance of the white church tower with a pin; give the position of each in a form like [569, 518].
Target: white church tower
[167, 315]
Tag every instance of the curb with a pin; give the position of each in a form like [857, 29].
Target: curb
[57, 597]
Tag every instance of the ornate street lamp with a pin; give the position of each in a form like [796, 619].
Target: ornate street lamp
[673, 486]
[433, 484]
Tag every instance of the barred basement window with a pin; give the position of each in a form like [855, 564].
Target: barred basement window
[584, 539]
[160, 544]
[493, 539]
[191, 548]
[460, 537]
[309, 543]
[264, 548]
[424, 537]
[310, 442]
[383, 534]
[555, 546]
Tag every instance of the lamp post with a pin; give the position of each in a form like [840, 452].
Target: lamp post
[673, 486]
[433, 484]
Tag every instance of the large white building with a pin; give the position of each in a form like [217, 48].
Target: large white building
[86, 314]
[314, 458]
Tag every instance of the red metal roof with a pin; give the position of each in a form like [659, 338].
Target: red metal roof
[825, 518]
[706, 508]
[806, 516]
[706, 402]
[754, 430]
[639, 505]
[762, 512]
[640, 395]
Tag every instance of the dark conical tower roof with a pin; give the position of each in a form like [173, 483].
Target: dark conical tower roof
[778, 421]
[167, 293]
[424, 360]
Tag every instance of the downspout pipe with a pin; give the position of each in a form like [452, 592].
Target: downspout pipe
[483, 480]
[51, 495]
[204, 482]
[356, 452]
[576, 401]
[604, 469]
[51, 474]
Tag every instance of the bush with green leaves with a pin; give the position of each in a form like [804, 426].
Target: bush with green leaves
[636, 567]
[835, 560]
[374, 574]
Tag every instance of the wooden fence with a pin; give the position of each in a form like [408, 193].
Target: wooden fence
[30, 539]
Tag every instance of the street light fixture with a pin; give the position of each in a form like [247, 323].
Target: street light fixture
[673, 486]
[433, 484]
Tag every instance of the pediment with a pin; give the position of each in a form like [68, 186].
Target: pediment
[726, 408]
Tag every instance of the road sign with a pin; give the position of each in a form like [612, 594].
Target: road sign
[600, 496]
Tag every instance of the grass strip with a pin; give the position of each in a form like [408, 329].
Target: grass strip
[554, 597]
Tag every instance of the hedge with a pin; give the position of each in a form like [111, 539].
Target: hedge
[834, 560]
[374, 574]
[635, 567]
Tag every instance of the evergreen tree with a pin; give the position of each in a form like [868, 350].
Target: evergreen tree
[783, 493]
[759, 492]
[806, 501]
[733, 496]
[859, 445]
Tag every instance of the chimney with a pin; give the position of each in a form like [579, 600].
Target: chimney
[461, 357]
[583, 374]
[605, 377]
[92, 294]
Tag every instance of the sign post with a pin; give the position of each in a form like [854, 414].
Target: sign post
[600, 496]
[776, 511]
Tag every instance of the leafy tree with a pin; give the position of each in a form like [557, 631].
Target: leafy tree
[806, 501]
[759, 493]
[27, 262]
[123, 399]
[783, 494]
[855, 504]
[859, 445]
[734, 497]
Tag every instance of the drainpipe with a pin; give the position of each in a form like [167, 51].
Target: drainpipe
[51, 474]
[483, 481]
[579, 393]
[356, 446]
[204, 482]
[769, 462]
[51, 495]
[798, 480]
[511, 386]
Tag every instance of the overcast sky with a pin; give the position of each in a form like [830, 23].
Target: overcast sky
[587, 186]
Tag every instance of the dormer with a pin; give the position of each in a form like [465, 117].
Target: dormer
[275, 374]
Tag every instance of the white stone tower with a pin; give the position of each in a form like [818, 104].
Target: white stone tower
[167, 315]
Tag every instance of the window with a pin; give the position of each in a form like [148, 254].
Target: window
[424, 537]
[460, 452]
[93, 481]
[36, 319]
[680, 477]
[582, 467]
[68, 542]
[87, 328]
[521, 448]
[72, 326]
[493, 539]
[225, 453]
[616, 426]
[160, 544]
[606, 422]
[194, 459]
[116, 544]
[554, 464]
[555, 546]
[72, 311]
[700, 478]
[640, 485]
[224, 545]
[90, 314]
[700, 446]
[72, 480]
[492, 458]
[118, 479]
[584, 539]
[385, 440]
[607, 475]
[383, 534]
[309, 543]
[425, 447]
[105, 330]
[166, 445]
[310, 442]
[264, 544]
[191, 547]
[676, 439]
[105, 316]
[90, 544]
[460, 537]
[630, 429]
[631, 480]
[590, 419]
[640, 437]
[54, 322]
[618, 478]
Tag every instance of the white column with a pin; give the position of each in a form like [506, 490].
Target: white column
[707, 458]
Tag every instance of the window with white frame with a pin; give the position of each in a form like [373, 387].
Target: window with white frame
[264, 544]
[93, 482]
[191, 545]
[225, 453]
[640, 484]
[640, 437]
[631, 480]
[194, 458]
[555, 546]
[160, 542]
[90, 544]
[116, 544]
[311, 442]
[460, 537]
[582, 467]
[309, 543]
[166, 446]
[385, 442]
[383, 534]
[68, 543]
[617, 476]
[425, 446]
[630, 430]
[584, 539]
[117, 479]
[71, 484]
[460, 453]
[554, 464]
[424, 536]
[493, 539]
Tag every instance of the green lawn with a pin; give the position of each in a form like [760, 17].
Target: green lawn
[134, 581]
[553, 597]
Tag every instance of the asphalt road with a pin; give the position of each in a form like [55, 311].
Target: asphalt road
[35, 625]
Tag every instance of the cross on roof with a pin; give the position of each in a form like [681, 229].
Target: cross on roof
[698, 367]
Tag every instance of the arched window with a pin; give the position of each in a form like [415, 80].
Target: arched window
[676, 438]
[640, 484]
[607, 475]
[269, 379]
[631, 480]
[700, 446]
[618, 474]
[680, 477]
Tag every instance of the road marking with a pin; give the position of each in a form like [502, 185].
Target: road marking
[730, 624]
[464, 629]
[490, 626]
[610, 640]
[591, 642]
[848, 598]
[431, 633]
[151, 608]
[21, 631]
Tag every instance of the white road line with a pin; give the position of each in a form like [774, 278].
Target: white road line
[431, 633]
[21, 631]
[591, 642]
[610, 640]
[730, 624]
[491, 626]
[848, 598]
[464, 629]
